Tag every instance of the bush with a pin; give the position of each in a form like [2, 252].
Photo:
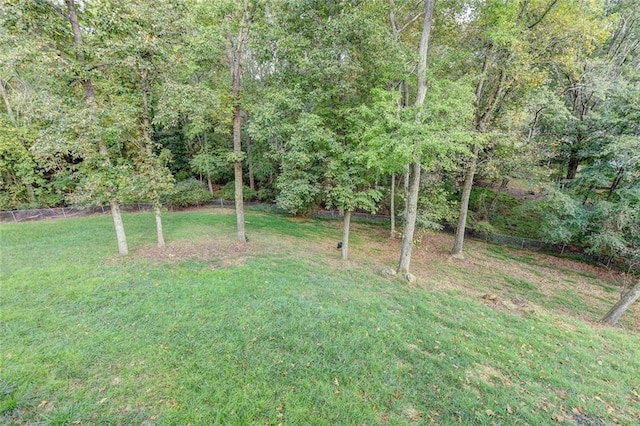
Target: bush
[482, 228]
[265, 195]
[190, 192]
[228, 192]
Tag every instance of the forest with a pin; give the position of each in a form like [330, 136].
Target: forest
[409, 108]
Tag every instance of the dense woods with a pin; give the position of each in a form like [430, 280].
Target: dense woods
[383, 105]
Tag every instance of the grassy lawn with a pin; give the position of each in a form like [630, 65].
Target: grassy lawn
[280, 331]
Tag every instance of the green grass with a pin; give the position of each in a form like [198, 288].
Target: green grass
[520, 284]
[502, 253]
[290, 335]
[508, 215]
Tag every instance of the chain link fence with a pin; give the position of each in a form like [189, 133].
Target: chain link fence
[66, 212]
[336, 214]
[620, 263]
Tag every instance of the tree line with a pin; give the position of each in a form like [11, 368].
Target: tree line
[399, 105]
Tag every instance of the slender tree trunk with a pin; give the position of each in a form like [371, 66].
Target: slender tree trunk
[146, 122]
[89, 94]
[159, 232]
[572, 166]
[464, 206]
[235, 50]
[534, 125]
[412, 199]
[117, 223]
[237, 173]
[393, 205]
[616, 182]
[410, 225]
[613, 316]
[406, 185]
[252, 181]
[482, 117]
[345, 234]
[146, 132]
[209, 183]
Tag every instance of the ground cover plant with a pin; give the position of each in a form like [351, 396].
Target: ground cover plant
[280, 331]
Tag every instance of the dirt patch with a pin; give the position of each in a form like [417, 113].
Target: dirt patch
[486, 374]
[218, 253]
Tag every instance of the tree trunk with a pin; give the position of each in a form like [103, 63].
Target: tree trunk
[89, 94]
[235, 50]
[572, 166]
[464, 206]
[146, 123]
[412, 198]
[623, 304]
[393, 205]
[159, 232]
[616, 182]
[146, 132]
[117, 223]
[345, 234]
[410, 225]
[209, 183]
[237, 173]
[481, 120]
[406, 185]
[252, 181]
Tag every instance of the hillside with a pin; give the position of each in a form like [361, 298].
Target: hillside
[280, 331]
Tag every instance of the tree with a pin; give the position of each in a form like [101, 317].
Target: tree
[351, 186]
[415, 167]
[23, 110]
[19, 171]
[330, 65]
[89, 94]
[138, 42]
[626, 300]
[519, 43]
[236, 45]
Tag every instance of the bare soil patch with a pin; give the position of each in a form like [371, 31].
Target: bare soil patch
[218, 253]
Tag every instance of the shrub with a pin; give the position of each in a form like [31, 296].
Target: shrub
[228, 192]
[190, 192]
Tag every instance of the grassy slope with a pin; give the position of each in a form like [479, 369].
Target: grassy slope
[208, 331]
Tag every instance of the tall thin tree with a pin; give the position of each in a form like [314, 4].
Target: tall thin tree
[89, 94]
[236, 44]
[415, 167]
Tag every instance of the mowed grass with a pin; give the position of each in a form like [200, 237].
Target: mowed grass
[280, 331]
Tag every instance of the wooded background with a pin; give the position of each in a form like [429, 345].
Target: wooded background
[338, 104]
